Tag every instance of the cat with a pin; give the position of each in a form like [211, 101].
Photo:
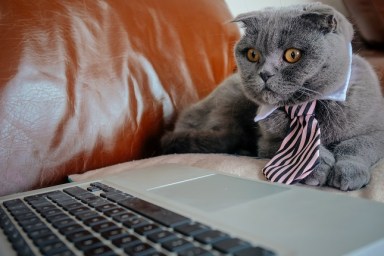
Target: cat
[220, 123]
[289, 56]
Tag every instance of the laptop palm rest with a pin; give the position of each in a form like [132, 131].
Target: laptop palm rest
[216, 192]
[301, 220]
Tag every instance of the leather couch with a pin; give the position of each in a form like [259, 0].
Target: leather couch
[368, 18]
[89, 84]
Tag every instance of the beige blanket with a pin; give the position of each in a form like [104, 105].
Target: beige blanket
[236, 165]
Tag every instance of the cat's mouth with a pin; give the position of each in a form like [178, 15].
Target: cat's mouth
[275, 97]
[268, 89]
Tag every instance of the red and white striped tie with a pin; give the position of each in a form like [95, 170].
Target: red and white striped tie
[298, 154]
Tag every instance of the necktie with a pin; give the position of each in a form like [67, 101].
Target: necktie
[298, 154]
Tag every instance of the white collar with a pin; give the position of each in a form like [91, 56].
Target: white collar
[340, 94]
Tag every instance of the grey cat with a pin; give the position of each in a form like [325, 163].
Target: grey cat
[289, 56]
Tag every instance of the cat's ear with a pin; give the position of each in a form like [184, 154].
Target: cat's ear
[327, 19]
[248, 19]
[326, 23]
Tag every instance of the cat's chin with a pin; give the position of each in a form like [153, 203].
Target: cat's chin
[269, 97]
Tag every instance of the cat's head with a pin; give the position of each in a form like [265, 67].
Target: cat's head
[293, 54]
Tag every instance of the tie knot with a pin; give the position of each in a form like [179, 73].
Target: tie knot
[305, 109]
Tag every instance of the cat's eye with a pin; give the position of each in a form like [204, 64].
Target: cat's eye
[292, 55]
[253, 55]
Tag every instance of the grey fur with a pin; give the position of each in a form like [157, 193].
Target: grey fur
[352, 132]
[220, 123]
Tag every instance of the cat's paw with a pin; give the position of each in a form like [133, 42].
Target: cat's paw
[349, 175]
[319, 176]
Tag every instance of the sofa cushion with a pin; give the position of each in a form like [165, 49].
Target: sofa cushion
[87, 84]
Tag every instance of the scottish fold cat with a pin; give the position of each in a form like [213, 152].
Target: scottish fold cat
[288, 56]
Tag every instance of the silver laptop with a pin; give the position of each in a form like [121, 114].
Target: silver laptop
[178, 210]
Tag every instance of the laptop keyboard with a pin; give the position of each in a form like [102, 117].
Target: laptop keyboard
[101, 220]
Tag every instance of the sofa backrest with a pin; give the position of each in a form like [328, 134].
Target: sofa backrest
[87, 84]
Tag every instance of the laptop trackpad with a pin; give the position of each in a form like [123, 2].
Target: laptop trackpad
[207, 193]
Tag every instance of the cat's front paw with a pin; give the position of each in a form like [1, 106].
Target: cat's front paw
[319, 176]
[349, 175]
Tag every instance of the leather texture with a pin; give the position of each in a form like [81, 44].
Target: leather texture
[368, 18]
[87, 84]
[368, 15]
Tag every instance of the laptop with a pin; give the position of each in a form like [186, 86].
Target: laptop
[180, 210]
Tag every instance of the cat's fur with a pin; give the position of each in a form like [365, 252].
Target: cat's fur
[352, 131]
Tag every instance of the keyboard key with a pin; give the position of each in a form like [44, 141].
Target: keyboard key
[68, 205]
[105, 207]
[147, 229]
[33, 198]
[135, 222]
[79, 235]
[28, 221]
[255, 251]
[89, 198]
[51, 212]
[105, 188]
[48, 239]
[100, 185]
[57, 217]
[127, 240]
[124, 216]
[87, 215]
[25, 216]
[53, 248]
[74, 191]
[14, 203]
[139, 249]
[88, 243]
[39, 201]
[231, 245]
[115, 211]
[161, 236]
[93, 189]
[79, 210]
[39, 232]
[210, 236]
[63, 223]
[114, 233]
[104, 226]
[70, 229]
[44, 207]
[191, 229]
[154, 212]
[20, 211]
[177, 244]
[194, 251]
[94, 221]
[61, 198]
[99, 250]
[56, 194]
[34, 226]
[98, 202]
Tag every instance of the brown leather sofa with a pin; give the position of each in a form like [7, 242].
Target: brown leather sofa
[89, 84]
[368, 18]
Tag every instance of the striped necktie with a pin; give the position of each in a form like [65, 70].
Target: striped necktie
[298, 154]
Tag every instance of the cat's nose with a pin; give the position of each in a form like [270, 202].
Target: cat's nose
[265, 75]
